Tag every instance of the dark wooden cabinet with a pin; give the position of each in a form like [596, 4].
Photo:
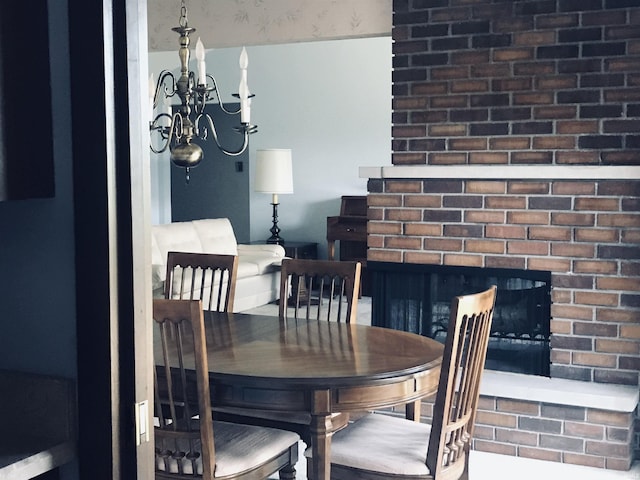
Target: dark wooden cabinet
[350, 229]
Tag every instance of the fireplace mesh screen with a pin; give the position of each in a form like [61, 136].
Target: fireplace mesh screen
[416, 298]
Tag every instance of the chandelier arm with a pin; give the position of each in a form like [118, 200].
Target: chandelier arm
[231, 153]
[164, 147]
[215, 93]
[200, 98]
[169, 90]
[220, 102]
[167, 134]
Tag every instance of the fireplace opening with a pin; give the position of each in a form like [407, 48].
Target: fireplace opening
[417, 297]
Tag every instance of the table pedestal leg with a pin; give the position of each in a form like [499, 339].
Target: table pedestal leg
[288, 473]
[412, 410]
[319, 468]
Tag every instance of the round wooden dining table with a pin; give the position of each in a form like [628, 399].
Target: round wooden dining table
[317, 367]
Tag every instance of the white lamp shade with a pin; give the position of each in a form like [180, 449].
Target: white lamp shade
[274, 172]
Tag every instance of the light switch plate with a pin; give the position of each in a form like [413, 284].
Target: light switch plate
[142, 422]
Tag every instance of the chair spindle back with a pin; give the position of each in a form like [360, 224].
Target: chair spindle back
[202, 276]
[459, 388]
[332, 286]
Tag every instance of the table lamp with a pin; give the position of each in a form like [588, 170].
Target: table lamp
[274, 175]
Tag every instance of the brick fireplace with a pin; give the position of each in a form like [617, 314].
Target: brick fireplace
[516, 144]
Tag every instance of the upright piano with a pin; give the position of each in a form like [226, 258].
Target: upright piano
[350, 229]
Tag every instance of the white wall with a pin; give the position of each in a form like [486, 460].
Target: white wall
[330, 102]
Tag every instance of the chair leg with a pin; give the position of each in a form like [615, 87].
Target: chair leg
[309, 470]
[412, 410]
[288, 473]
[465, 473]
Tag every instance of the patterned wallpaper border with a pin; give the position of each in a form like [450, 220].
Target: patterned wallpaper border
[232, 23]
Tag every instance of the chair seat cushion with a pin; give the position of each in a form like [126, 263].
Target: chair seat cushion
[382, 443]
[238, 448]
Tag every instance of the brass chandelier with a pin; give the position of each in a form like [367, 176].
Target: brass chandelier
[190, 120]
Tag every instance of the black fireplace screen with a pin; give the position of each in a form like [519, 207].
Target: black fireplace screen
[416, 298]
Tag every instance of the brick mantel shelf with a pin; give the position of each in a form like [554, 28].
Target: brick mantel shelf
[504, 172]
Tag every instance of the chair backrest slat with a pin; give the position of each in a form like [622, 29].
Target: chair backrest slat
[208, 277]
[332, 286]
[456, 402]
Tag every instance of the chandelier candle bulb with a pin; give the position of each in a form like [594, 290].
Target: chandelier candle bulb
[202, 68]
[243, 88]
[245, 110]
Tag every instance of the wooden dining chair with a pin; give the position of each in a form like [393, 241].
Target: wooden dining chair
[331, 289]
[202, 276]
[333, 296]
[189, 444]
[379, 446]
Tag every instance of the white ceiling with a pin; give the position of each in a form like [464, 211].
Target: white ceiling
[232, 23]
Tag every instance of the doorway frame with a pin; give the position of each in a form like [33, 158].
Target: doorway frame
[108, 48]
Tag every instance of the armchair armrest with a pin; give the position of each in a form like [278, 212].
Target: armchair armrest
[276, 251]
[158, 275]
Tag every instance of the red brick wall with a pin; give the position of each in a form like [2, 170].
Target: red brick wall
[551, 432]
[557, 433]
[585, 232]
[542, 82]
[516, 82]
[513, 82]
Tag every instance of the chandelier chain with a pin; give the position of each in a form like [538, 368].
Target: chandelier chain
[184, 21]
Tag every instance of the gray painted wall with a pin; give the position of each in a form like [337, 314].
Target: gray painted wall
[37, 266]
[37, 280]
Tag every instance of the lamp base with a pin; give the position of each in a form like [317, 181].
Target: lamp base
[275, 238]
